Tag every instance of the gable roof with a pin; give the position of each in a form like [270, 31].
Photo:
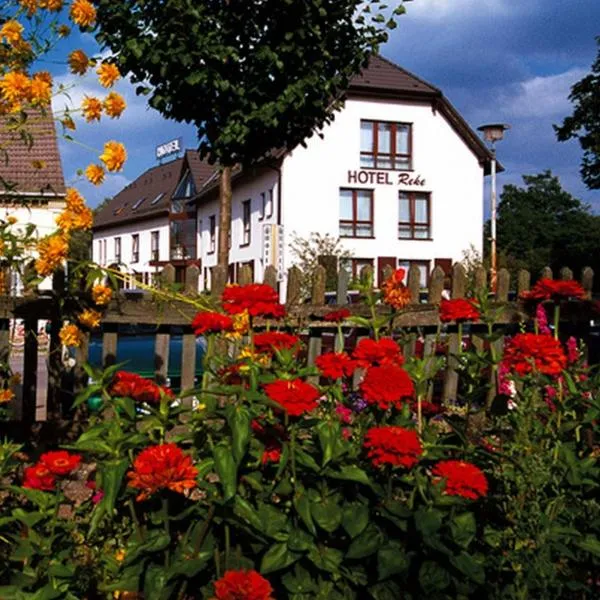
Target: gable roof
[30, 164]
[149, 196]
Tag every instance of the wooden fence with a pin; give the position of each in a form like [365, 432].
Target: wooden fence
[420, 316]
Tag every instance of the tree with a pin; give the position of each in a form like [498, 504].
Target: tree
[543, 225]
[252, 76]
[584, 124]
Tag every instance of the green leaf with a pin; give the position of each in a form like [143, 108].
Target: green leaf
[326, 559]
[590, 543]
[245, 511]
[302, 506]
[428, 521]
[273, 520]
[355, 518]
[463, 528]
[306, 460]
[155, 541]
[226, 469]
[392, 560]
[468, 566]
[433, 577]
[300, 582]
[367, 543]
[329, 436]
[327, 514]
[492, 537]
[300, 541]
[350, 473]
[42, 499]
[239, 422]
[387, 590]
[112, 477]
[277, 557]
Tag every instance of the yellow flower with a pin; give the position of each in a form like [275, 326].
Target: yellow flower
[95, 174]
[11, 219]
[78, 62]
[241, 325]
[15, 87]
[90, 318]
[92, 109]
[12, 32]
[63, 30]
[101, 294]
[120, 555]
[41, 88]
[108, 73]
[114, 155]
[30, 5]
[52, 251]
[76, 214]
[6, 396]
[82, 13]
[114, 105]
[74, 199]
[70, 335]
[51, 5]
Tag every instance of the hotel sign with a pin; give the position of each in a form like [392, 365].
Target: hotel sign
[169, 148]
[384, 178]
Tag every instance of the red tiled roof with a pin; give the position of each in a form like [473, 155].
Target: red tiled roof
[29, 158]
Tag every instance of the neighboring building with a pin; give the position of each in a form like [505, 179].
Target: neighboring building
[32, 186]
[398, 176]
[149, 223]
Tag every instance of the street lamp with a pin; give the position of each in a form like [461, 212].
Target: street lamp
[493, 133]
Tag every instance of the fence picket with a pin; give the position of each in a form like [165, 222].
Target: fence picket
[523, 281]
[188, 364]
[161, 354]
[436, 285]
[270, 277]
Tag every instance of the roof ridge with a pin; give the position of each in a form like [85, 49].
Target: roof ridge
[410, 73]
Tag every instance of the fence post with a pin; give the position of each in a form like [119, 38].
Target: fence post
[523, 281]
[192, 278]
[546, 273]
[414, 284]
[109, 344]
[342, 288]
[503, 285]
[188, 364]
[218, 281]
[294, 284]
[566, 274]
[480, 280]
[167, 275]
[270, 277]
[436, 285]
[587, 280]
[317, 296]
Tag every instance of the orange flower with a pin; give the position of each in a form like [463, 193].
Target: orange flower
[114, 155]
[63, 30]
[15, 87]
[12, 32]
[101, 294]
[114, 105]
[395, 293]
[78, 62]
[60, 462]
[52, 251]
[41, 88]
[95, 174]
[162, 467]
[70, 335]
[90, 318]
[51, 5]
[92, 109]
[30, 5]
[82, 13]
[108, 73]
[6, 395]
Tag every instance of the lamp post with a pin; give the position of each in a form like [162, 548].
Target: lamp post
[493, 133]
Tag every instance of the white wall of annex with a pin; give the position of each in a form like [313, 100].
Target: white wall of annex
[312, 177]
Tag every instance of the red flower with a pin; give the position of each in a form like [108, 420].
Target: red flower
[395, 293]
[211, 322]
[131, 385]
[39, 477]
[243, 585]
[386, 386]
[275, 340]
[335, 365]
[162, 467]
[295, 396]
[370, 352]
[257, 298]
[337, 316]
[394, 446]
[546, 289]
[527, 352]
[271, 453]
[60, 462]
[461, 479]
[458, 310]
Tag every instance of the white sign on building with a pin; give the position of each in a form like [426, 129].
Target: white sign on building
[172, 147]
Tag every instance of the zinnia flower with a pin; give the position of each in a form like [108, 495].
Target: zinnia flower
[257, 298]
[95, 174]
[334, 365]
[551, 289]
[132, 385]
[90, 318]
[70, 335]
[275, 340]
[39, 477]
[386, 386]
[6, 395]
[108, 73]
[211, 322]
[392, 445]
[370, 352]
[295, 396]
[162, 467]
[243, 585]
[114, 156]
[101, 294]
[114, 105]
[82, 13]
[271, 453]
[60, 462]
[461, 479]
[395, 293]
[337, 316]
[527, 352]
[458, 310]
[92, 108]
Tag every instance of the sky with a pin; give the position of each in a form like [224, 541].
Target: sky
[497, 61]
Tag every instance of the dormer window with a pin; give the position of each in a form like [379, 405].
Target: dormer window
[185, 189]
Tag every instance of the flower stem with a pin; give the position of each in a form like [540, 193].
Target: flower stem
[556, 319]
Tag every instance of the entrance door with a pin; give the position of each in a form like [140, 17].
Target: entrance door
[382, 263]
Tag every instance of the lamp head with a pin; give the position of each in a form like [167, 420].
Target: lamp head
[493, 132]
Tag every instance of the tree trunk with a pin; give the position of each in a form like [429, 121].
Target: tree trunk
[225, 195]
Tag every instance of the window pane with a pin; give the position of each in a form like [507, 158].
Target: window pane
[423, 270]
[421, 232]
[363, 206]
[402, 136]
[367, 162]
[384, 162]
[346, 205]
[421, 206]
[364, 231]
[401, 163]
[384, 139]
[404, 232]
[403, 208]
[346, 229]
[366, 136]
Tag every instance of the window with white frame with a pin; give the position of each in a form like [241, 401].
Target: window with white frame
[154, 245]
[385, 145]
[246, 225]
